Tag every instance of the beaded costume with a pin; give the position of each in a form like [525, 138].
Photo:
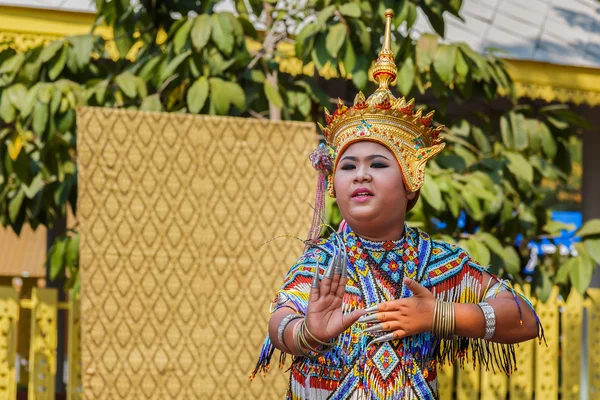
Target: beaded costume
[399, 369]
[354, 368]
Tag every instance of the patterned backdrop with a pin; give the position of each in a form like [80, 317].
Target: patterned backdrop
[173, 209]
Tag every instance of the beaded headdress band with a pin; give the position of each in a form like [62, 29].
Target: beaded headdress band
[381, 118]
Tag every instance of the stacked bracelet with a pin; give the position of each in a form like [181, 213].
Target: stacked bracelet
[490, 320]
[443, 319]
[284, 323]
[302, 343]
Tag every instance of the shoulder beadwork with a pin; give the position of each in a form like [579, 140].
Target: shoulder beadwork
[446, 261]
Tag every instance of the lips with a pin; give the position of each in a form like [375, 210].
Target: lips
[362, 192]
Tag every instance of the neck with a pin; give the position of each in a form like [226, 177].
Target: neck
[377, 234]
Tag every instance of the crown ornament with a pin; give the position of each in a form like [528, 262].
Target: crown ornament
[387, 120]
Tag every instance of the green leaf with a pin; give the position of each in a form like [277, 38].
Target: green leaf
[564, 270]
[590, 228]
[151, 103]
[303, 36]
[581, 273]
[273, 95]
[479, 252]
[543, 291]
[325, 15]
[593, 248]
[406, 77]
[219, 96]
[29, 101]
[350, 10]
[237, 97]
[506, 132]
[126, 82]
[520, 136]
[512, 261]
[82, 46]
[181, 37]
[519, 166]
[303, 103]
[360, 74]
[40, 118]
[426, 48]
[349, 58]
[201, 31]
[17, 94]
[411, 16]
[197, 95]
[335, 39]
[50, 50]
[14, 205]
[555, 227]
[173, 64]
[493, 243]
[444, 61]
[58, 65]
[221, 35]
[431, 193]
[57, 258]
[72, 252]
[7, 110]
[34, 187]
[549, 146]
[481, 140]
[462, 68]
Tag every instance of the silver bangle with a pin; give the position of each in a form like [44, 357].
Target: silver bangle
[284, 323]
[490, 319]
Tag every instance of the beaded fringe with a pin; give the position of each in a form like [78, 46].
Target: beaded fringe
[466, 287]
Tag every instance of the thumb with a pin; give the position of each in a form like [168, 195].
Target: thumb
[350, 318]
[415, 287]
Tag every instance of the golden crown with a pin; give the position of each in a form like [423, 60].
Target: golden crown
[387, 120]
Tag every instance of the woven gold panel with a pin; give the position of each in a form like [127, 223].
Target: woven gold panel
[173, 209]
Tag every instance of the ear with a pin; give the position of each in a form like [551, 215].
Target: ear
[411, 195]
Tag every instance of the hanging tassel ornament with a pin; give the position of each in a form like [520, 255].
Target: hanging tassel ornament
[322, 160]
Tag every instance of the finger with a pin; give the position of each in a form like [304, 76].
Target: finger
[415, 287]
[383, 338]
[325, 284]
[335, 281]
[383, 327]
[315, 281]
[341, 290]
[373, 318]
[350, 319]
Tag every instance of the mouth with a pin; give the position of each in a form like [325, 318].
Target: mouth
[362, 193]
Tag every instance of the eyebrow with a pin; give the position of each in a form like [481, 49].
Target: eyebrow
[369, 158]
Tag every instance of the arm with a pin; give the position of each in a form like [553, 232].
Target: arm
[470, 321]
[414, 315]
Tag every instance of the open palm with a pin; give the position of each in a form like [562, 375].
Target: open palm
[325, 318]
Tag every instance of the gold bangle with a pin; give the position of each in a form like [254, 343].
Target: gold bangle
[314, 338]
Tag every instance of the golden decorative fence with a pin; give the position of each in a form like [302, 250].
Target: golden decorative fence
[540, 368]
[44, 306]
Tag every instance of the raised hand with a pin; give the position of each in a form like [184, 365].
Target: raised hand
[403, 317]
[324, 316]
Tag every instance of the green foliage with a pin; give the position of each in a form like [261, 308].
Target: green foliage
[503, 164]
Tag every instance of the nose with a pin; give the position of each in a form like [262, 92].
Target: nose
[362, 174]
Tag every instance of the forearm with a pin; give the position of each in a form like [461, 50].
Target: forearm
[470, 321]
[288, 334]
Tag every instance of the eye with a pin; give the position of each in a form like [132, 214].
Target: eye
[378, 165]
[346, 167]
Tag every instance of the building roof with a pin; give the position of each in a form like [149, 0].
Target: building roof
[555, 31]
[64, 5]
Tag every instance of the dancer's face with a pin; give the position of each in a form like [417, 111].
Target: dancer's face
[369, 187]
